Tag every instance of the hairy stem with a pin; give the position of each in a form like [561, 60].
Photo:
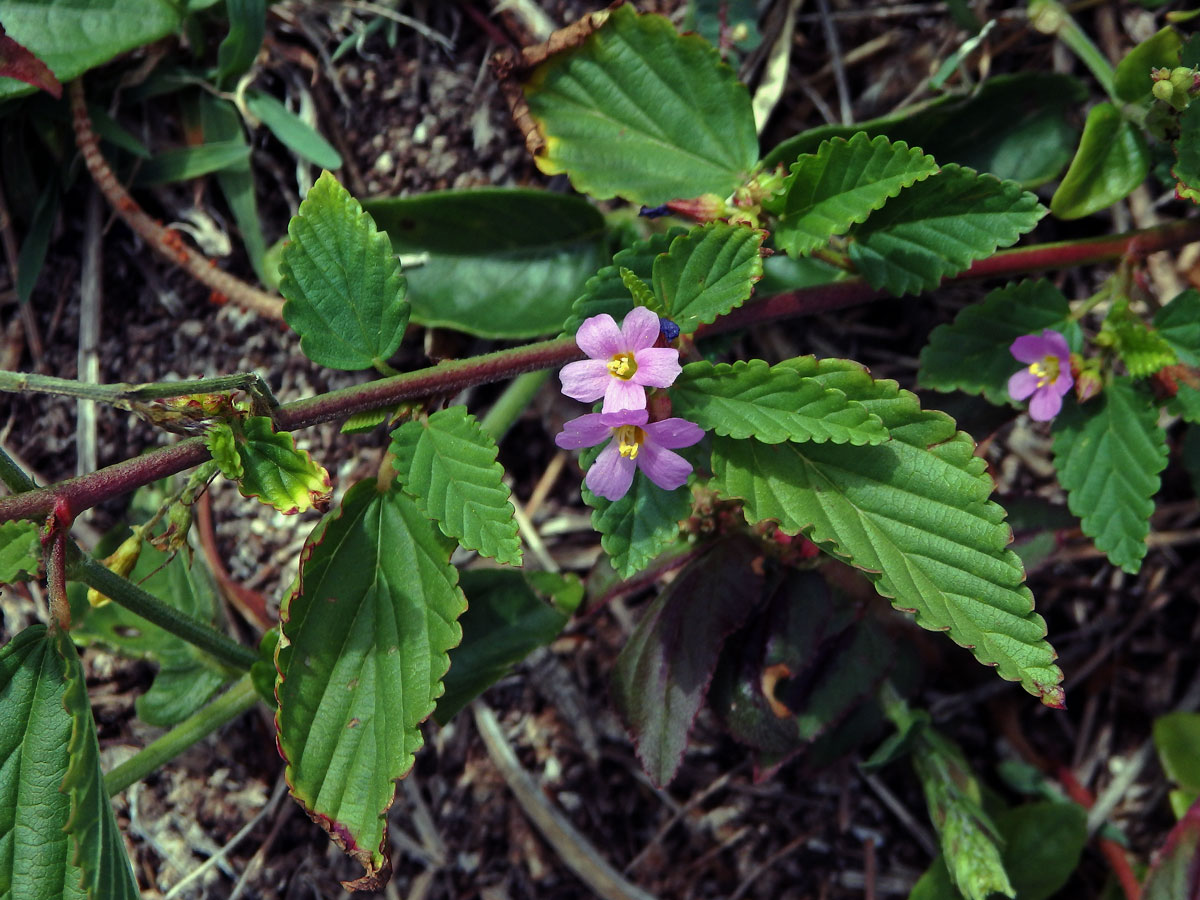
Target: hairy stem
[127, 594]
[195, 727]
[450, 377]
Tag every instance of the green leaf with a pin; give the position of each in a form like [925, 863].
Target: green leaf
[840, 185]
[20, 551]
[1187, 151]
[606, 292]
[72, 36]
[1179, 324]
[1172, 874]
[938, 227]
[222, 445]
[638, 290]
[641, 112]
[448, 465]
[639, 526]
[1108, 454]
[496, 262]
[662, 674]
[913, 514]
[1016, 127]
[292, 131]
[247, 27]
[344, 290]
[505, 621]
[186, 677]
[1177, 739]
[1132, 81]
[57, 828]
[220, 121]
[186, 163]
[750, 399]
[707, 272]
[1111, 161]
[365, 637]
[972, 354]
[1143, 350]
[272, 470]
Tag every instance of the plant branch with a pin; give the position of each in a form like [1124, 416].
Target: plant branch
[166, 241]
[127, 594]
[450, 377]
[195, 727]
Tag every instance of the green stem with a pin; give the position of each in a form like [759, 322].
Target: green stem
[195, 727]
[121, 394]
[1051, 17]
[13, 475]
[127, 594]
[510, 404]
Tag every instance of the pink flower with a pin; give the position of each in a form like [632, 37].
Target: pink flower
[624, 361]
[1047, 377]
[634, 445]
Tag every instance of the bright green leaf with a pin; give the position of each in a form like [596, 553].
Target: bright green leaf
[72, 36]
[274, 471]
[972, 353]
[750, 399]
[1143, 350]
[344, 290]
[1111, 161]
[661, 677]
[366, 633]
[840, 185]
[938, 227]
[20, 550]
[57, 829]
[641, 112]
[293, 132]
[638, 289]
[1108, 453]
[222, 445]
[707, 272]
[496, 262]
[606, 292]
[1132, 81]
[1179, 324]
[505, 621]
[448, 465]
[914, 514]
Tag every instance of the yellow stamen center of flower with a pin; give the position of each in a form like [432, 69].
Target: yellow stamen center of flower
[1046, 371]
[629, 440]
[623, 366]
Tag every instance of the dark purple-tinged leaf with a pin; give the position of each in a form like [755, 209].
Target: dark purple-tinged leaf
[662, 675]
[800, 669]
[17, 62]
[1175, 872]
[366, 633]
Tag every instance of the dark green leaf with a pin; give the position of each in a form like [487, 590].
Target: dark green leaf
[641, 112]
[1179, 324]
[448, 465]
[972, 354]
[185, 163]
[938, 227]
[344, 290]
[662, 675]
[1177, 739]
[707, 272]
[605, 292]
[1111, 161]
[220, 122]
[366, 634]
[1187, 150]
[292, 131]
[497, 262]
[639, 526]
[37, 239]
[505, 621]
[1132, 81]
[247, 27]
[20, 550]
[1108, 453]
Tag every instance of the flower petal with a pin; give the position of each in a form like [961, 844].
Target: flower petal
[657, 366]
[1044, 406]
[665, 468]
[586, 431]
[599, 337]
[1063, 383]
[640, 329]
[611, 474]
[1056, 344]
[1022, 384]
[621, 394]
[625, 417]
[585, 380]
[1029, 348]
[674, 433]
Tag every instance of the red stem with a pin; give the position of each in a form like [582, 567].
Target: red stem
[1113, 852]
[87, 490]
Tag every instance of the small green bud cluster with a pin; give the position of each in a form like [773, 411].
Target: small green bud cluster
[1175, 86]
